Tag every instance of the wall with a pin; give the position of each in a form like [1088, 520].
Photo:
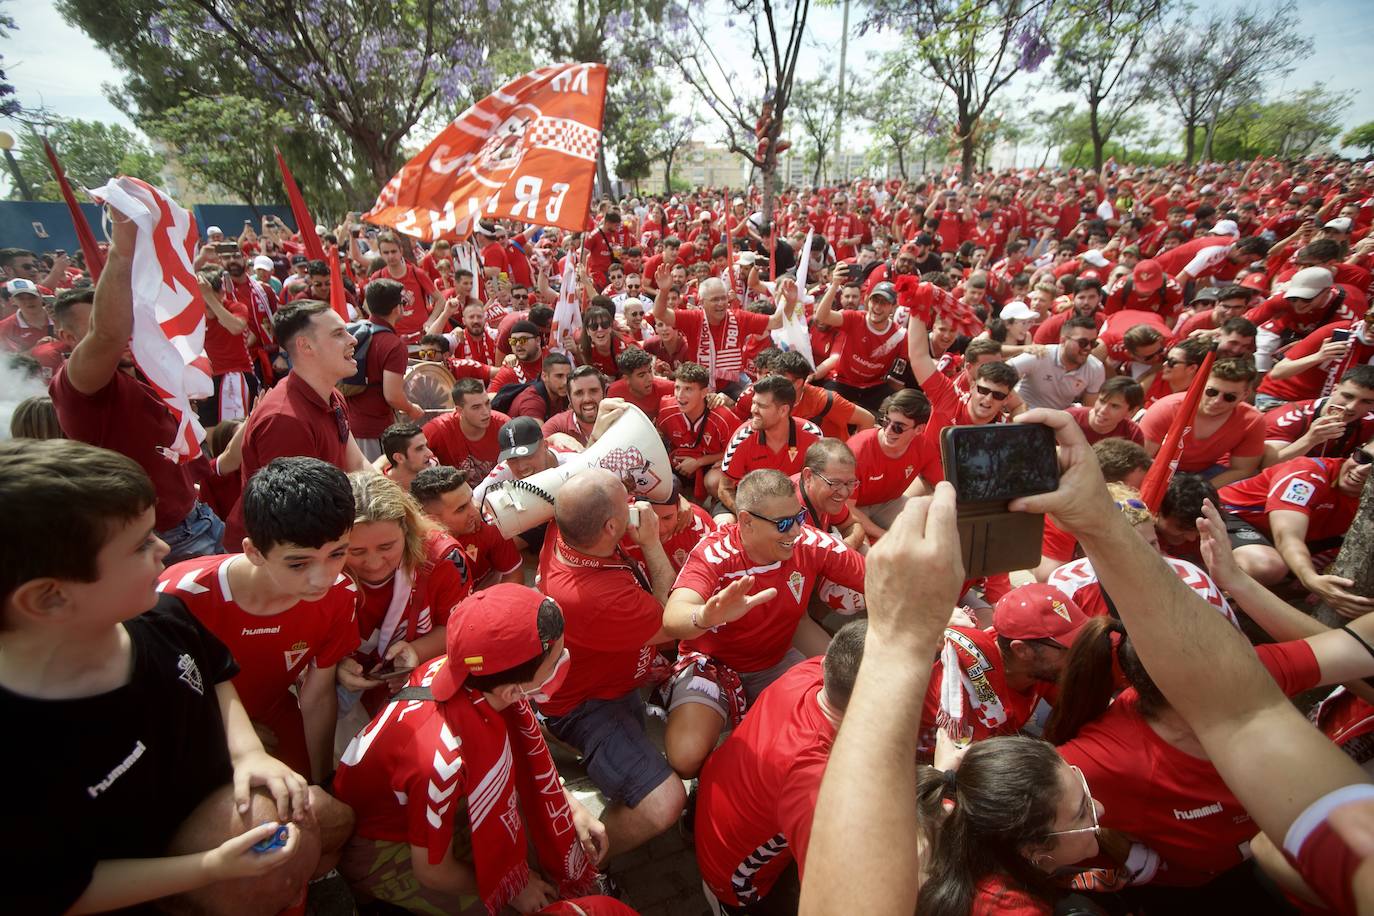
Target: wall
[17, 219]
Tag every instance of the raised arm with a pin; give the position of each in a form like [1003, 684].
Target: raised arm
[825, 309]
[918, 349]
[96, 358]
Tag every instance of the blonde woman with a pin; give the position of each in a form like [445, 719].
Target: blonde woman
[410, 575]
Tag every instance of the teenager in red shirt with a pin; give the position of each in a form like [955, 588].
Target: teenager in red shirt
[869, 342]
[1226, 440]
[1308, 366]
[606, 243]
[638, 384]
[410, 574]
[284, 607]
[1329, 427]
[734, 644]
[420, 303]
[467, 438]
[772, 438]
[1110, 415]
[762, 783]
[452, 788]
[890, 457]
[446, 497]
[695, 432]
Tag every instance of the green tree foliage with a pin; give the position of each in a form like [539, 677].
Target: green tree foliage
[91, 153]
[905, 115]
[1099, 56]
[1291, 127]
[1361, 137]
[815, 102]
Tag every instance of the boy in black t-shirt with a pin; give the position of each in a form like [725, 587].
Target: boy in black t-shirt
[138, 766]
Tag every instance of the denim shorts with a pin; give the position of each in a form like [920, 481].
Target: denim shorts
[200, 534]
[622, 761]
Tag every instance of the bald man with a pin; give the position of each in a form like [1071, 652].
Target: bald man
[613, 617]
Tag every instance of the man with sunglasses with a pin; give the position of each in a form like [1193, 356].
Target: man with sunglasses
[1006, 672]
[526, 344]
[1132, 343]
[1064, 373]
[985, 401]
[1329, 427]
[738, 604]
[1180, 366]
[1305, 506]
[772, 438]
[1226, 440]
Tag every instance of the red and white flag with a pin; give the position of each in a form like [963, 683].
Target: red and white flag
[169, 313]
[525, 152]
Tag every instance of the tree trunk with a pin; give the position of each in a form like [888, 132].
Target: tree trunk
[668, 172]
[1189, 142]
[1356, 559]
[968, 151]
[603, 175]
[1099, 141]
[901, 163]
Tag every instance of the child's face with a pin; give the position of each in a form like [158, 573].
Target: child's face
[127, 568]
[304, 573]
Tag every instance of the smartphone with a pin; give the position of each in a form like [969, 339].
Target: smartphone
[1340, 334]
[989, 466]
[388, 669]
[634, 516]
[226, 248]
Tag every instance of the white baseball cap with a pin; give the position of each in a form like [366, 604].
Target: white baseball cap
[1225, 227]
[1340, 224]
[214, 230]
[1308, 283]
[1017, 311]
[20, 286]
[1094, 257]
[263, 262]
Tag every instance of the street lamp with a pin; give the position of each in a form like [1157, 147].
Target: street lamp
[7, 144]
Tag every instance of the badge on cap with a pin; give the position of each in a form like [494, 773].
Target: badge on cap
[1059, 608]
[473, 662]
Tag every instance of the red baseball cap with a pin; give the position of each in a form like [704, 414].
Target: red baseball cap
[1147, 276]
[491, 631]
[1037, 611]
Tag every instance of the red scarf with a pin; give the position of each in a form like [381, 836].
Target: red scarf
[514, 774]
[728, 361]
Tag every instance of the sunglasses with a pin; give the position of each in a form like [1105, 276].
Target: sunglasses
[1092, 810]
[1132, 503]
[895, 427]
[987, 392]
[1084, 343]
[783, 525]
[1229, 397]
[520, 339]
[1362, 457]
[598, 325]
[1171, 362]
[850, 485]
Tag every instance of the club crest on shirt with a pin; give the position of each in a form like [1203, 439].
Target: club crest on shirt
[795, 583]
[471, 551]
[295, 654]
[190, 673]
[791, 453]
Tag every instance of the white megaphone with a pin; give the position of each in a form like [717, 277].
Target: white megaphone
[630, 449]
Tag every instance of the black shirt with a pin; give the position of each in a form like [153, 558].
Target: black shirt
[112, 776]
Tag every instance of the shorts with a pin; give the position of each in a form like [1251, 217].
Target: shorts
[283, 719]
[199, 534]
[381, 870]
[695, 686]
[623, 763]
[885, 513]
[1243, 534]
[1267, 402]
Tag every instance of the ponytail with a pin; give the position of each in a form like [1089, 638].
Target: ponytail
[1087, 682]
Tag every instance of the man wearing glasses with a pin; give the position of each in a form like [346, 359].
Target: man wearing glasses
[1305, 506]
[1064, 373]
[737, 605]
[994, 681]
[825, 485]
[1226, 428]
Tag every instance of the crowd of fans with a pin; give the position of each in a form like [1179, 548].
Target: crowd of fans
[304, 672]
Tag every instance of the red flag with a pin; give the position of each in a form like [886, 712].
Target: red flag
[527, 151]
[338, 299]
[1157, 478]
[305, 225]
[95, 258]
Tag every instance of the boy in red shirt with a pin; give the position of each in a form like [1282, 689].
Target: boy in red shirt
[695, 432]
[284, 607]
[1226, 440]
[772, 438]
[446, 496]
[466, 439]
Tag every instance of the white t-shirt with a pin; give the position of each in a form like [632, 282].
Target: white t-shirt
[1046, 382]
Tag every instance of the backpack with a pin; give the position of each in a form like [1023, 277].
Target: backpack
[362, 332]
[504, 398]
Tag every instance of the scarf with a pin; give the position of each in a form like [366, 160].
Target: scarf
[514, 774]
[958, 677]
[1358, 354]
[259, 309]
[729, 361]
[480, 348]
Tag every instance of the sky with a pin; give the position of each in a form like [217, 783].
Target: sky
[55, 64]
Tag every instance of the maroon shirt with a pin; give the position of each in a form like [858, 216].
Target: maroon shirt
[128, 417]
[368, 412]
[291, 420]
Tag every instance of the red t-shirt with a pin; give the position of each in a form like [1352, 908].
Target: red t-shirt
[866, 355]
[368, 412]
[708, 435]
[1175, 803]
[604, 245]
[566, 422]
[1126, 429]
[1306, 485]
[1048, 331]
[608, 620]
[488, 552]
[662, 388]
[414, 311]
[1078, 580]
[1115, 327]
[1309, 382]
[1057, 544]
[511, 375]
[1165, 301]
[760, 639]
[19, 337]
[227, 352]
[1290, 423]
[883, 478]
[762, 784]
[1207, 255]
[748, 450]
[128, 417]
[272, 651]
[1241, 436]
[476, 458]
[729, 347]
[290, 421]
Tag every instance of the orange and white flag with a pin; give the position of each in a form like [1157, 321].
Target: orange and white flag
[526, 152]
